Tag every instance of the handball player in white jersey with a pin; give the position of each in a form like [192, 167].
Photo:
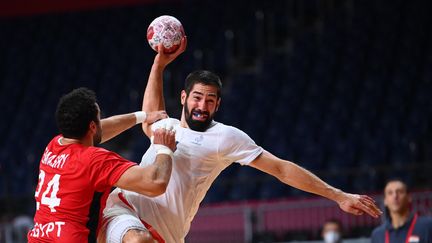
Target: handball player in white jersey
[204, 148]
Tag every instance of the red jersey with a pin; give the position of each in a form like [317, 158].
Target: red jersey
[69, 175]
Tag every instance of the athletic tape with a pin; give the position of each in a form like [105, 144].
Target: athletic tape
[140, 116]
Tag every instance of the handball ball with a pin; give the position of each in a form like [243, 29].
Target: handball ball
[166, 30]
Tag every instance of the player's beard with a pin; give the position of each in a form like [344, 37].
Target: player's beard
[199, 126]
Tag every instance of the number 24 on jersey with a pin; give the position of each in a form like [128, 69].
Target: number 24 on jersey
[51, 189]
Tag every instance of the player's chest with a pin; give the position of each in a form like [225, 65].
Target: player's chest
[203, 143]
[197, 149]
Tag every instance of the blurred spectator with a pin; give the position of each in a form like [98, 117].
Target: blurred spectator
[20, 227]
[401, 224]
[332, 231]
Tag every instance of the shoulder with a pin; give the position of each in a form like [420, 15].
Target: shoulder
[426, 221]
[230, 131]
[98, 153]
[378, 231]
[55, 141]
[232, 136]
[56, 138]
[165, 122]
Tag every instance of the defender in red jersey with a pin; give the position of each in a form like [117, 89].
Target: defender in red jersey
[72, 170]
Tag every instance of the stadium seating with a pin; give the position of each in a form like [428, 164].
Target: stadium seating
[344, 91]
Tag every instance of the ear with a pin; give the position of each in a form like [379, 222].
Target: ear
[93, 127]
[183, 97]
[218, 104]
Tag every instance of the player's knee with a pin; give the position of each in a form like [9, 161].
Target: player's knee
[137, 236]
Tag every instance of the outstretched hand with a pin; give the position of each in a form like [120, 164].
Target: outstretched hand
[359, 204]
[163, 59]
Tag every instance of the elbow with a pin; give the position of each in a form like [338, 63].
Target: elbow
[159, 188]
[154, 188]
[146, 129]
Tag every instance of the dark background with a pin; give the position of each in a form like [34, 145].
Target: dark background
[340, 87]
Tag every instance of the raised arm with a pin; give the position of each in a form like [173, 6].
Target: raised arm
[153, 98]
[153, 179]
[300, 178]
[114, 125]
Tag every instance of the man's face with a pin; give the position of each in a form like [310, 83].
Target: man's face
[200, 106]
[97, 137]
[396, 197]
[331, 232]
[331, 226]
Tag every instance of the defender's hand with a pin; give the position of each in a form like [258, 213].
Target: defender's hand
[359, 204]
[165, 137]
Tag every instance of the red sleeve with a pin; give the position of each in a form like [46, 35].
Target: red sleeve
[106, 168]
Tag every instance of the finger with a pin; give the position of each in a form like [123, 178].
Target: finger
[170, 134]
[366, 201]
[370, 203]
[369, 209]
[160, 132]
[156, 136]
[183, 43]
[375, 208]
[366, 197]
[160, 48]
[182, 47]
[169, 126]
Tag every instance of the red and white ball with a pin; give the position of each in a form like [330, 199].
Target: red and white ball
[166, 30]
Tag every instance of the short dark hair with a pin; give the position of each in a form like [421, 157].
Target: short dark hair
[75, 111]
[203, 77]
[397, 179]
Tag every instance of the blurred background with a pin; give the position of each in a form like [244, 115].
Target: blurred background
[341, 87]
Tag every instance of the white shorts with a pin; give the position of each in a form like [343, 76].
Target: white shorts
[118, 218]
[119, 225]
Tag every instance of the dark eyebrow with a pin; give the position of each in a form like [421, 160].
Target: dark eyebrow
[199, 93]
[196, 92]
[212, 94]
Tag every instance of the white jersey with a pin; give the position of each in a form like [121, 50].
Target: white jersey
[198, 160]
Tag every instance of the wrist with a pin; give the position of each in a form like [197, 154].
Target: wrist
[140, 117]
[337, 195]
[162, 149]
[160, 67]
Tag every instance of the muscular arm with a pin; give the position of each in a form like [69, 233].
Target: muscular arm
[114, 125]
[298, 177]
[153, 98]
[151, 180]
[153, 95]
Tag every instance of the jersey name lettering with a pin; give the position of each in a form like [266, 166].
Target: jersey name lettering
[43, 230]
[53, 160]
